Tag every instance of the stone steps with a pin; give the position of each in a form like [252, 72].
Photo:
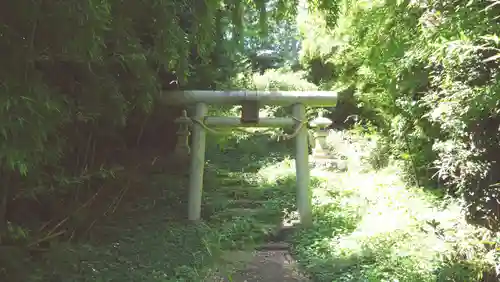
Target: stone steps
[260, 214]
[247, 203]
[237, 199]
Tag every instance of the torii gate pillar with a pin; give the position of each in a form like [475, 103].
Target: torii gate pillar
[297, 99]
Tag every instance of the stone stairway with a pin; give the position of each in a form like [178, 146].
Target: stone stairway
[269, 260]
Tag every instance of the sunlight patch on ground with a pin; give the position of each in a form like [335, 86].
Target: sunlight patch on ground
[278, 171]
[394, 225]
[391, 206]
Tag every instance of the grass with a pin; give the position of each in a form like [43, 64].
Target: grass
[148, 238]
[146, 242]
[369, 226]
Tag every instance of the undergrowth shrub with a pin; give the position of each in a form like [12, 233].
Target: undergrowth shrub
[372, 226]
[83, 114]
[362, 148]
[426, 76]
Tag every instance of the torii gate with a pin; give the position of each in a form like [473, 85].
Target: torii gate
[251, 102]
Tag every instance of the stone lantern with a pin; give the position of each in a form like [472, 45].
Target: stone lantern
[320, 125]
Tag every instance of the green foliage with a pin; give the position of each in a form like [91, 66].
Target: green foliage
[73, 74]
[420, 241]
[273, 79]
[279, 79]
[80, 89]
[427, 77]
[149, 224]
[422, 238]
[76, 74]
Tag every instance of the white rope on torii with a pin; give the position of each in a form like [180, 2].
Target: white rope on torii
[200, 124]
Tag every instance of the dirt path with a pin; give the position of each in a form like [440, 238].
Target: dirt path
[272, 261]
[267, 266]
[270, 266]
[263, 266]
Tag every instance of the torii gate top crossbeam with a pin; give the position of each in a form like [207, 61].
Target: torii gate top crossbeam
[282, 98]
